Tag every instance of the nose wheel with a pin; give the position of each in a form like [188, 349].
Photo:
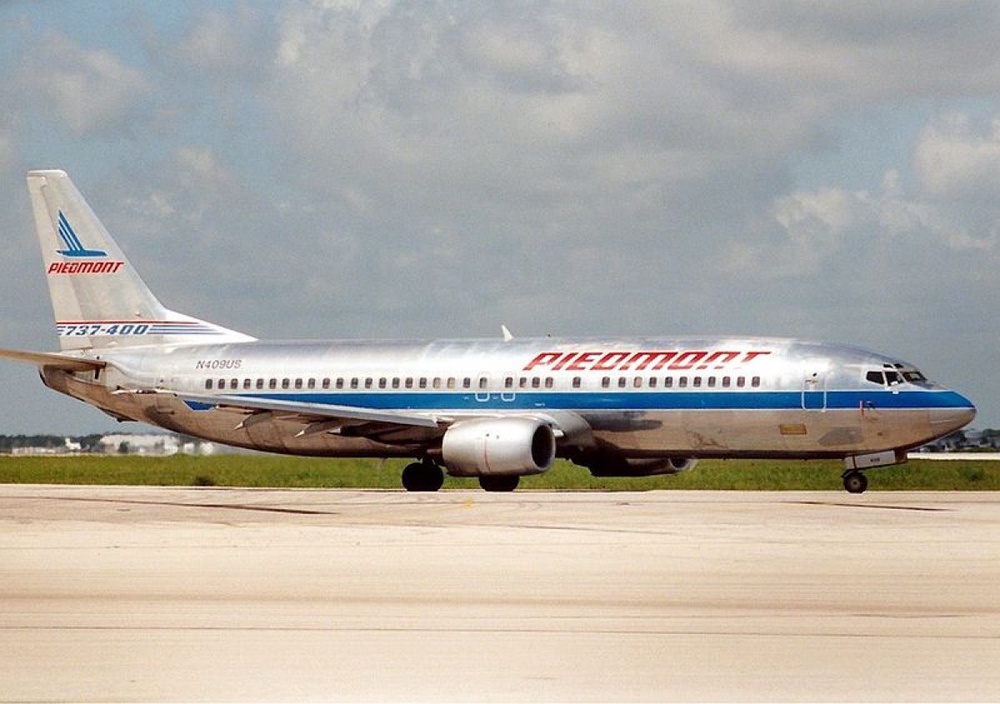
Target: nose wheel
[855, 482]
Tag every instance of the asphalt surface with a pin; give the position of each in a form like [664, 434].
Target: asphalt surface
[153, 594]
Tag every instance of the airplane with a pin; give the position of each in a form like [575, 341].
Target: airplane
[496, 410]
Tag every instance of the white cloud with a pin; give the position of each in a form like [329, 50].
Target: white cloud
[955, 158]
[8, 151]
[90, 90]
[221, 45]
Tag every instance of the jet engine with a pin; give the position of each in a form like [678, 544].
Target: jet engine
[498, 447]
[639, 467]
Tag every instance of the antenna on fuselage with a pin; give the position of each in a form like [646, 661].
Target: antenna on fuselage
[507, 334]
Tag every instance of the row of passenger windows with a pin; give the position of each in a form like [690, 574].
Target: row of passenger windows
[725, 382]
[341, 383]
[482, 383]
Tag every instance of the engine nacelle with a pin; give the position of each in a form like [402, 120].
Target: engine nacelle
[635, 467]
[674, 465]
[498, 447]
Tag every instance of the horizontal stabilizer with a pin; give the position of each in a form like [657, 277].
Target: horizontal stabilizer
[50, 359]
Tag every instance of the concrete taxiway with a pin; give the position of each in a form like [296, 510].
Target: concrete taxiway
[208, 594]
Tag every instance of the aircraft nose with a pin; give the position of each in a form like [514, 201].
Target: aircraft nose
[956, 413]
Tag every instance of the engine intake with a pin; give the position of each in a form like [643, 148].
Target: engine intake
[498, 447]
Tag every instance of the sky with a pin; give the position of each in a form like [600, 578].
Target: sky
[387, 169]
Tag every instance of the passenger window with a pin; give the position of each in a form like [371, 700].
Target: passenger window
[725, 382]
[260, 383]
[668, 382]
[208, 384]
[298, 383]
[606, 382]
[382, 381]
[368, 382]
[422, 382]
[755, 382]
[354, 382]
[483, 382]
[311, 384]
[508, 382]
[622, 382]
[395, 382]
[409, 382]
[576, 382]
[340, 382]
[652, 382]
[536, 382]
[285, 383]
[711, 382]
[272, 383]
[246, 384]
[326, 383]
[741, 381]
[697, 381]
[682, 381]
[637, 382]
[549, 383]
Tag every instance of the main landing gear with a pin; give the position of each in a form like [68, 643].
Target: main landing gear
[427, 476]
[499, 483]
[422, 476]
[855, 482]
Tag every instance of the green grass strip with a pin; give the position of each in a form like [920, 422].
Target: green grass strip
[305, 472]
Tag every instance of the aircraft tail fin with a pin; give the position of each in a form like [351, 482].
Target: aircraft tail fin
[99, 300]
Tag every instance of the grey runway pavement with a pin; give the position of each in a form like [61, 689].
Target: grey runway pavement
[140, 594]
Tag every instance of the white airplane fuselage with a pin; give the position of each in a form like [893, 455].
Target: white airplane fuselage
[493, 409]
[654, 397]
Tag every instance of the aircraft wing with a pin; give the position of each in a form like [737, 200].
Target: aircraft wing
[376, 424]
[53, 359]
[391, 427]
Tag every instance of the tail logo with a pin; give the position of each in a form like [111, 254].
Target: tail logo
[74, 248]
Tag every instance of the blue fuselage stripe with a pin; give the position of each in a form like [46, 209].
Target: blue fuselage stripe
[468, 400]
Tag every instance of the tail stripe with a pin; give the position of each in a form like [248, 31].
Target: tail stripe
[93, 328]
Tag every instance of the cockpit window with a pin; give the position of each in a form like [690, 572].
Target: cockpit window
[895, 374]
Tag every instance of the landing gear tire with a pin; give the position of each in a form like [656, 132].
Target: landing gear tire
[855, 482]
[422, 476]
[502, 483]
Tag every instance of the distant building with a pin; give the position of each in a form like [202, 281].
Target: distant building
[69, 447]
[153, 445]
